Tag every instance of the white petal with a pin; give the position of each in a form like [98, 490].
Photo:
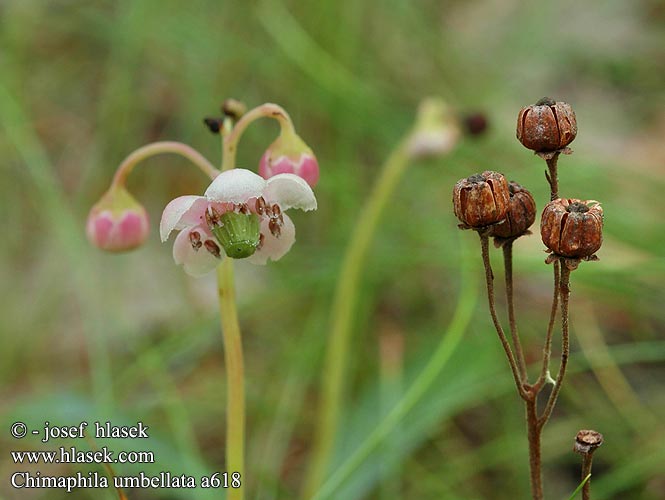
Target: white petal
[290, 191]
[195, 262]
[274, 248]
[182, 212]
[236, 186]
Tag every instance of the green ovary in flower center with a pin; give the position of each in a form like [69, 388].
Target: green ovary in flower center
[238, 233]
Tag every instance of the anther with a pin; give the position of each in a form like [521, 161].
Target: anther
[275, 230]
[262, 238]
[212, 247]
[195, 240]
[260, 205]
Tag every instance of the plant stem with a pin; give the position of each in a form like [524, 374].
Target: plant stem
[553, 176]
[564, 291]
[587, 458]
[230, 142]
[156, 148]
[235, 382]
[489, 279]
[517, 345]
[344, 301]
[533, 434]
[547, 349]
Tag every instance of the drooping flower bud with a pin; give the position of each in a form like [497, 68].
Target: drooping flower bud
[482, 199]
[520, 215]
[436, 130]
[290, 155]
[547, 125]
[238, 232]
[572, 228]
[117, 222]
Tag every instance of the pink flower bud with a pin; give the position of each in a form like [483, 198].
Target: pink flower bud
[117, 222]
[290, 155]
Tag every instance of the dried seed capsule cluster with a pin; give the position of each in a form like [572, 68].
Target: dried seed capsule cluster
[488, 201]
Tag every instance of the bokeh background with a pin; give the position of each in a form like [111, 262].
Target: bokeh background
[90, 336]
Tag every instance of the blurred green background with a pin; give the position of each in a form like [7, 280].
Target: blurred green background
[91, 336]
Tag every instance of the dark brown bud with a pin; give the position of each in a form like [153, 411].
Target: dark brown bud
[587, 441]
[482, 199]
[521, 213]
[475, 124]
[213, 124]
[572, 228]
[546, 125]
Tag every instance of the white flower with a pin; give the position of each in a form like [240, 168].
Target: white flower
[240, 212]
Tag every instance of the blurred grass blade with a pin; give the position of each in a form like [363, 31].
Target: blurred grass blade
[312, 59]
[425, 380]
[579, 488]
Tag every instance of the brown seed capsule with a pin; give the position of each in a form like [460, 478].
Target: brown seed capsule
[572, 228]
[546, 125]
[521, 213]
[587, 441]
[482, 199]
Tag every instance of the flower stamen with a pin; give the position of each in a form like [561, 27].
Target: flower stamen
[195, 240]
[213, 248]
[273, 225]
[260, 205]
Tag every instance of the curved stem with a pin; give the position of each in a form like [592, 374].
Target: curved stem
[547, 348]
[489, 279]
[162, 147]
[564, 290]
[268, 110]
[517, 345]
[235, 382]
[342, 315]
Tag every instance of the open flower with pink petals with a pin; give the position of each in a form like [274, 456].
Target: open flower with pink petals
[241, 215]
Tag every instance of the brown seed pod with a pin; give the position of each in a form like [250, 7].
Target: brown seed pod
[482, 199]
[586, 441]
[547, 125]
[572, 228]
[521, 213]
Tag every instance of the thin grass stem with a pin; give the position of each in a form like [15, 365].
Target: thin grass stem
[344, 302]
